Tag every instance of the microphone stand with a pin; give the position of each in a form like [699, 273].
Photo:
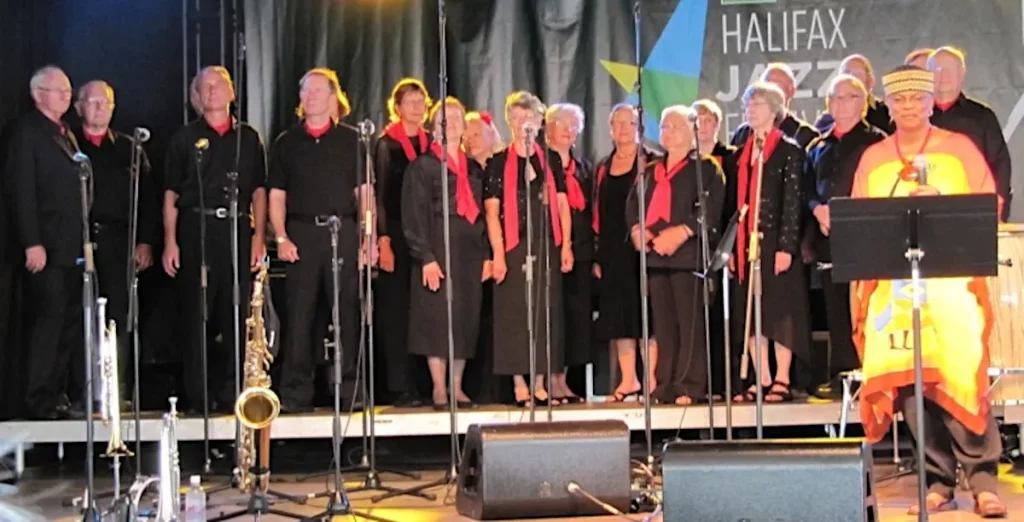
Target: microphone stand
[133, 292]
[754, 295]
[528, 269]
[89, 513]
[451, 476]
[546, 253]
[641, 160]
[236, 297]
[205, 316]
[705, 263]
[719, 261]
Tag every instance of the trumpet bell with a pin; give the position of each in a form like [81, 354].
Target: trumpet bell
[256, 408]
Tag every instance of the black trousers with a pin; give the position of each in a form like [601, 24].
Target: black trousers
[220, 357]
[310, 285]
[676, 300]
[112, 275]
[948, 442]
[391, 315]
[56, 334]
[837, 305]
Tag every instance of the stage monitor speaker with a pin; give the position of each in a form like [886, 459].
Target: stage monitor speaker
[523, 470]
[778, 481]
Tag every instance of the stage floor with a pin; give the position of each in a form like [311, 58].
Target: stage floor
[895, 497]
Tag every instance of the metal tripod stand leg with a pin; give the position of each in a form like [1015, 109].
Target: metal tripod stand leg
[339, 506]
[260, 504]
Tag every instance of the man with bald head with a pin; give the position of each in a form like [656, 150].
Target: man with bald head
[958, 112]
[111, 152]
[46, 201]
[876, 115]
[919, 57]
[792, 127]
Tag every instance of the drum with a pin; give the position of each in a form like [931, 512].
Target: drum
[1006, 344]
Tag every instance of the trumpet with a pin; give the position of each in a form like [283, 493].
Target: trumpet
[168, 480]
[110, 392]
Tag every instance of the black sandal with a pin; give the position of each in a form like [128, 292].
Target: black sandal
[784, 396]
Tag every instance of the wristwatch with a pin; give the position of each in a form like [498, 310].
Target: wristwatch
[281, 239]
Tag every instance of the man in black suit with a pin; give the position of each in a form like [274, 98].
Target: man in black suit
[46, 201]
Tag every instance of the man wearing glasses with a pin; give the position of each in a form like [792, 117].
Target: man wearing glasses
[831, 162]
[110, 153]
[858, 66]
[45, 196]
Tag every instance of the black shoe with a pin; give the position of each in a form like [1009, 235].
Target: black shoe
[406, 400]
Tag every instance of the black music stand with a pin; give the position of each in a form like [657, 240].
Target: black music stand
[914, 238]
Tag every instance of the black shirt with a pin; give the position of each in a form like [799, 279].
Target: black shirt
[319, 175]
[217, 160]
[832, 161]
[494, 185]
[45, 188]
[582, 220]
[685, 209]
[390, 165]
[111, 163]
[877, 116]
[978, 121]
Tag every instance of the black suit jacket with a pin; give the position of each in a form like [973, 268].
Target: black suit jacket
[45, 188]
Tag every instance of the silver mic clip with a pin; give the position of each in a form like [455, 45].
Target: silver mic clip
[366, 128]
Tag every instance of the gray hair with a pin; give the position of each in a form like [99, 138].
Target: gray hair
[193, 90]
[680, 110]
[622, 107]
[39, 77]
[846, 78]
[571, 109]
[709, 107]
[868, 68]
[526, 101]
[80, 97]
[768, 92]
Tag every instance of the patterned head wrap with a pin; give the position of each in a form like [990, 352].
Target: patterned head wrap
[908, 78]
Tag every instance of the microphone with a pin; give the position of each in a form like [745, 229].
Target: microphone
[692, 117]
[529, 129]
[366, 127]
[921, 169]
[142, 134]
[202, 144]
[80, 158]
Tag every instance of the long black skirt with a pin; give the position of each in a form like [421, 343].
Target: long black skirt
[511, 336]
[428, 314]
[579, 314]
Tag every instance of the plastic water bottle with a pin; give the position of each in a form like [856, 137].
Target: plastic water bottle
[195, 501]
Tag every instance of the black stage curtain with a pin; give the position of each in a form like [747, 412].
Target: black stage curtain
[551, 48]
[137, 48]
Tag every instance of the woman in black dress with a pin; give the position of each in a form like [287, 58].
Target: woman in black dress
[423, 224]
[563, 124]
[517, 179]
[670, 233]
[403, 140]
[785, 317]
[617, 263]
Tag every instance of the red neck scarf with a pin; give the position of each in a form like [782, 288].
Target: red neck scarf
[661, 198]
[316, 133]
[748, 182]
[220, 128]
[95, 139]
[397, 133]
[595, 223]
[573, 189]
[511, 196]
[465, 203]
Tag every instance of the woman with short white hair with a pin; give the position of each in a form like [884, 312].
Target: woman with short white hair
[564, 122]
[774, 198]
[670, 235]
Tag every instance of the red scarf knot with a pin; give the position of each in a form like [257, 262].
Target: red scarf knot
[747, 186]
[511, 197]
[95, 139]
[660, 207]
[316, 133]
[465, 203]
[396, 132]
[221, 128]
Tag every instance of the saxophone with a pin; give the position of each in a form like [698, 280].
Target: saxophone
[257, 406]
[168, 480]
[110, 392]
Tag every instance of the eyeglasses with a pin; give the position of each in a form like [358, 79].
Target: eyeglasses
[63, 91]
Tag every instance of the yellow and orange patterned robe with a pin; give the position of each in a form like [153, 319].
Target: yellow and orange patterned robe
[956, 317]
